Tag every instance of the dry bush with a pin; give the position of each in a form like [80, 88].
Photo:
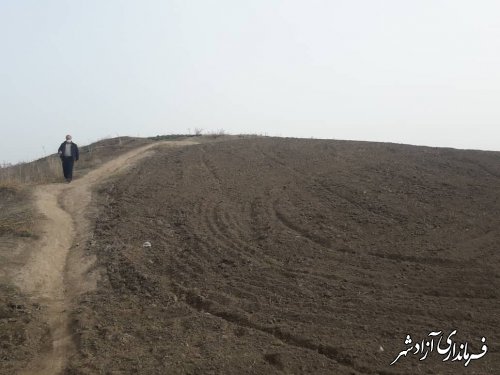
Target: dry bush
[216, 133]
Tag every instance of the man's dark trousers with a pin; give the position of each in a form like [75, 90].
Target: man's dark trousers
[67, 164]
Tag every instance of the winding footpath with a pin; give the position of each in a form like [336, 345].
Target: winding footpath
[58, 271]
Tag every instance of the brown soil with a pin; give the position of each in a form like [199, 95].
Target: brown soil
[42, 277]
[21, 327]
[292, 256]
[25, 211]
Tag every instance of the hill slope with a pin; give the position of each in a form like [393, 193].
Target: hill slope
[41, 270]
[294, 256]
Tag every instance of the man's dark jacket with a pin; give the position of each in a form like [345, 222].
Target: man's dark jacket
[74, 150]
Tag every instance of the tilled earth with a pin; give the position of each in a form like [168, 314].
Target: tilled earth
[293, 256]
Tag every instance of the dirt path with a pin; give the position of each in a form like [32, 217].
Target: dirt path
[57, 270]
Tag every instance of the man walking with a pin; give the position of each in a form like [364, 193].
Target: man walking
[68, 152]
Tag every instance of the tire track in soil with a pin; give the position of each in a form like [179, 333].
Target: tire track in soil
[224, 241]
[227, 233]
[206, 305]
[229, 240]
[273, 210]
[216, 222]
[57, 271]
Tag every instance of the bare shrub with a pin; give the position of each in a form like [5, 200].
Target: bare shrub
[216, 133]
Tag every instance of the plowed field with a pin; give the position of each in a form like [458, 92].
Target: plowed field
[291, 256]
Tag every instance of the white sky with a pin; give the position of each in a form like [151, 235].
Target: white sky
[420, 72]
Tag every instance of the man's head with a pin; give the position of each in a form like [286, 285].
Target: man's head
[68, 138]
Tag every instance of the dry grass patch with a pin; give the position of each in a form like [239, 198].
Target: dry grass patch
[16, 215]
[41, 171]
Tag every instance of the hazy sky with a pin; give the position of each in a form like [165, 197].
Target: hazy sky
[410, 71]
